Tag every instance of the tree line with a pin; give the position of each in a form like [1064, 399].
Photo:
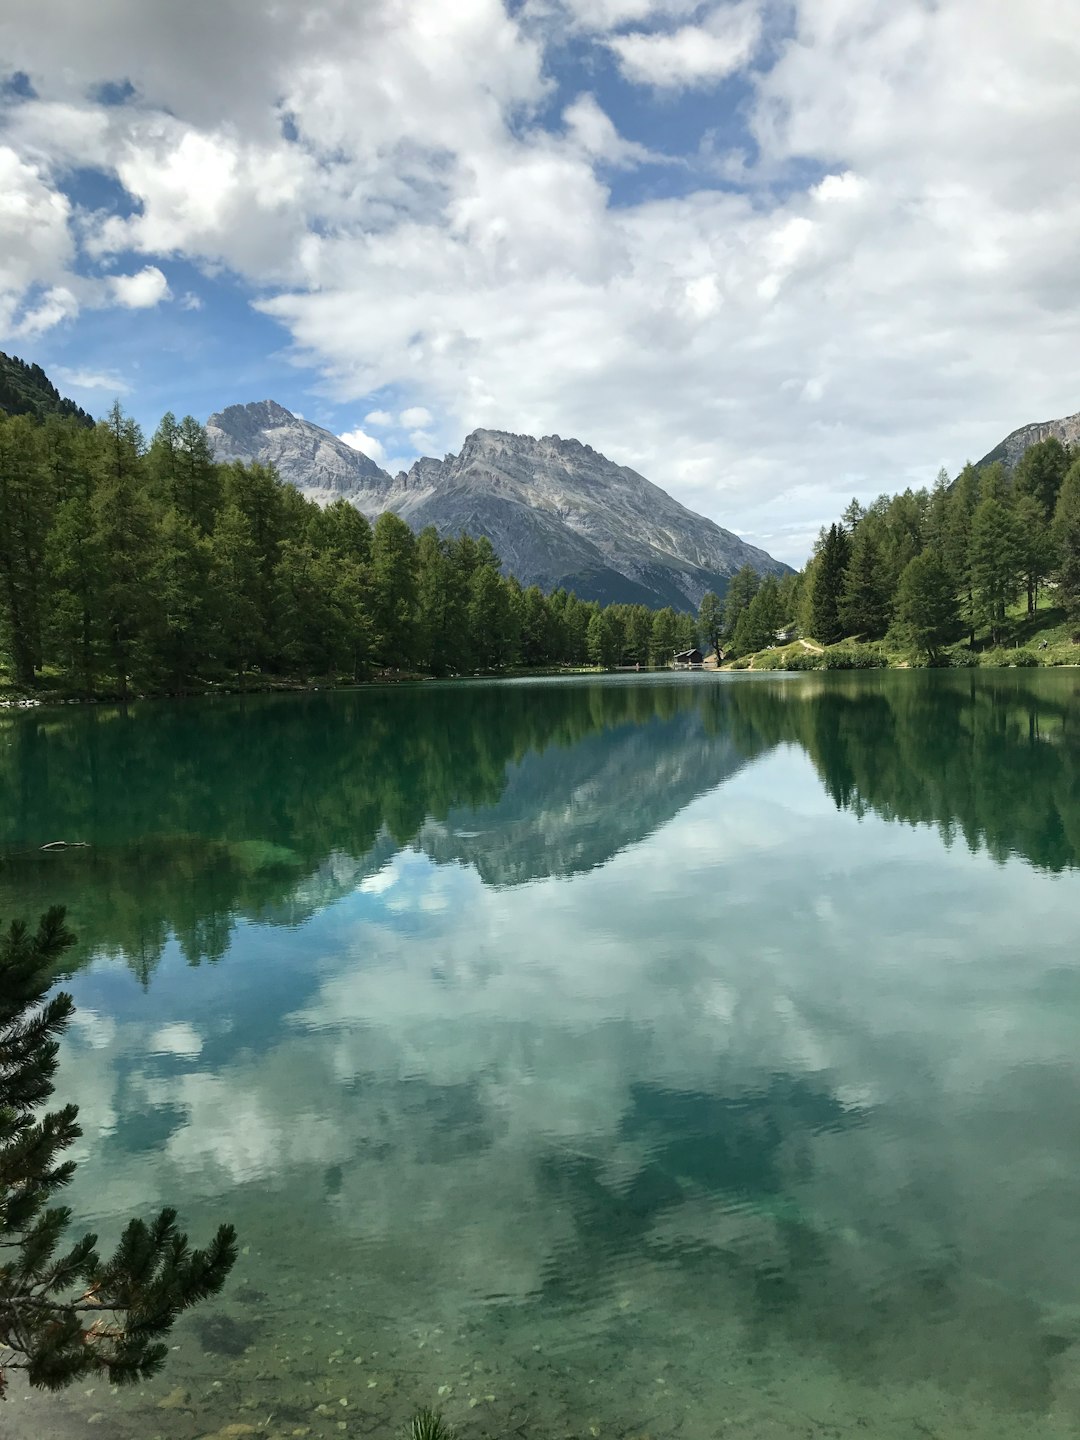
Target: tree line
[126, 565]
[929, 566]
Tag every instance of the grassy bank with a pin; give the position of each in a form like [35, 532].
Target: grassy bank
[55, 688]
[1045, 638]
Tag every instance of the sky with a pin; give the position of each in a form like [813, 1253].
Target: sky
[770, 253]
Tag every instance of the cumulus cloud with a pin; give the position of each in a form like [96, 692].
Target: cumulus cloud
[141, 291]
[416, 416]
[36, 248]
[372, 447]
[693, 54]
[825, 296]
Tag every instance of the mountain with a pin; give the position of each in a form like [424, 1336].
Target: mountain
[1013, 446]
[557, 511]
[27, 390]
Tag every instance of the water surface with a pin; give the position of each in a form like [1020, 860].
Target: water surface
[655, 1056]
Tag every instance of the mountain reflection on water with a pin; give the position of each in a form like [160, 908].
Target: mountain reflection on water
[589, 1056]
[269, 808]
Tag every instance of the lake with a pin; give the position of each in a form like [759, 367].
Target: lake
[638, 1057]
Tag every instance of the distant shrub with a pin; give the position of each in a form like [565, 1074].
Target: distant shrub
[771, 660]
[1024, 658]
[808, 660]
[994, 659]
[963, 660]
[742, 663]
[854, 657]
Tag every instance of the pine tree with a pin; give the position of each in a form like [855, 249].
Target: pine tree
[1035, 548]
[1040, 472]
[1066, 533]
[393, 574]
[827, 587]
[994, 562]
[25, 516]
[710, 620]
[664, 640]
[741, 590]
[864, 605]
[760, 620]
[926, 608]
[66, 1314]
[126, 535]
[604, 640]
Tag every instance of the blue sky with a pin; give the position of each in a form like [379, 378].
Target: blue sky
[772, 253]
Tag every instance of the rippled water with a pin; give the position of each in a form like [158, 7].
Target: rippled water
[657, 1056]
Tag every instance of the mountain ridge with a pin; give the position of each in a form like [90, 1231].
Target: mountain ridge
[25, 389]
[1010, 450]
[558, 512]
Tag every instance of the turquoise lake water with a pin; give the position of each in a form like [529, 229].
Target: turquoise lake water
[655, 1056]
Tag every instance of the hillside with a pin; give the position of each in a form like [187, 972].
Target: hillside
[557, 512]
[1009, 450]
[27, 390]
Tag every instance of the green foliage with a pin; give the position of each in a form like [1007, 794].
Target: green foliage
[864, 603]
[853, 657]
[665, 637]
[129, 568]
[711, 621]
[807, 660]
[827, 587]
[1039, 474]
[742, 589]
[926, 604]
[1066, 536]
[994, 561]
[27, 390]
[429, 1425]
[758, 623]
[66, 1314]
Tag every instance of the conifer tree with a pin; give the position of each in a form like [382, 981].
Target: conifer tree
[710, 621]
[827, 587]
[741, 590]
[926, 603]
[66, 1314]
[1039, 473]
[760, 620]
[864, 604]
[994, 561]
[1066, 533]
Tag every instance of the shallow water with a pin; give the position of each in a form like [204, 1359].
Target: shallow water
[657, 1056]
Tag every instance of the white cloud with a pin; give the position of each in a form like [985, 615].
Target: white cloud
[191, 301]
[694, 54]
[179, 1038]
[91, 379]
[142, 291]
[36, 248]
[593, 130]
[838, 308]
[417, 416]
[372, 447]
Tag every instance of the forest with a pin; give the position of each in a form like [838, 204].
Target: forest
[929, 569]
[134, 568]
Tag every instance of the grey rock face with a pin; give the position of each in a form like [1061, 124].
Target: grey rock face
[556, 511]
[1013, 446]
[311, 458]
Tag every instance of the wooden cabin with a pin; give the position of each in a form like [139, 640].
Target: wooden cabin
[688, 660]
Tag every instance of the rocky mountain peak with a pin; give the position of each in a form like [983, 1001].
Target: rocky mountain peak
[557, 511]
[1009, 451]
